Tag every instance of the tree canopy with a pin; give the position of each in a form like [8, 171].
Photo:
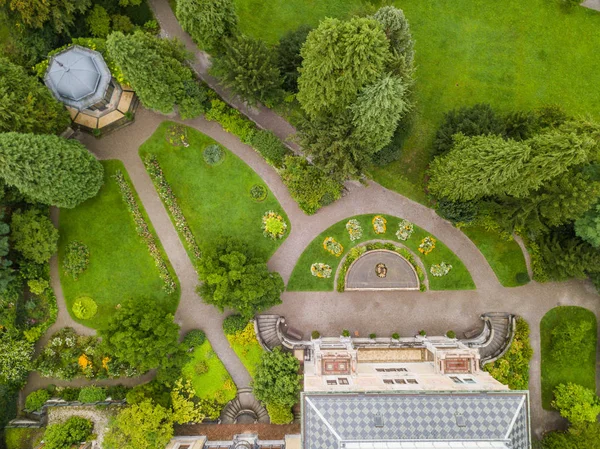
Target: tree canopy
[153, 66]
[588, 226]
[26, 105]
[576, 403]
[34, 13]
[49, 169]
[277, 380]
[232, 277]
[15, 360]
[141, 333]
[34, 235]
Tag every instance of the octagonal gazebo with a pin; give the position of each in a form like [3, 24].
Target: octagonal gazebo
[80, 78]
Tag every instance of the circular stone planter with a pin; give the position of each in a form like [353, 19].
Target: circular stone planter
[399, 274]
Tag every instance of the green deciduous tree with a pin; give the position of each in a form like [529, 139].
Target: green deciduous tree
[571, 338]
[588, 226]
[98, 21]
[141, 333]
[63, 436]
[34, 235]
[26, 105]
[249, 68]
[140, 426]
[289, 58]
[186, 407]
[579, 436]
[576, 403]
[35, 13]
[15, 360]
[339, 59]
[209, 22]
[49, 169]
[232, 277]
[376, 112]
[153, 66]
[277, 380]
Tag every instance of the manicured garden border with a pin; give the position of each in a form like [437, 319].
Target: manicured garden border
[301, 278]
[248, 352]
[580, 368]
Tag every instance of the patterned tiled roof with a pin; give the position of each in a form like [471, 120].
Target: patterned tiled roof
[330, 420]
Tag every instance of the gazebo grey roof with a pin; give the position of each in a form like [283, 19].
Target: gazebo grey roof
[78, 77]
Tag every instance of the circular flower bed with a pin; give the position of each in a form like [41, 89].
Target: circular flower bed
[354, 229]
[379, 224]
[405, 230]
[320, 270]
[273, 225]
[333, 246]
[427, 245]
[213, 154]
[85, 308]
[176, 135]
[258, 192]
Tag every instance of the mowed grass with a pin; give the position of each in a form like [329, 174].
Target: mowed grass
[513, 54]
[578, 368]
[302, 279]
[504, 256]
[215, 200]
[120, 266]
[215, 383]
[22, 438]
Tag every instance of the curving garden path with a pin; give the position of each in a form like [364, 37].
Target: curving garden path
[329, 312]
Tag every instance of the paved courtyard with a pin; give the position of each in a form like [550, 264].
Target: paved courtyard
[329, 312]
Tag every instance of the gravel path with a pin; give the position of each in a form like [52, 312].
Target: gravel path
[99, 416]
[329, 312]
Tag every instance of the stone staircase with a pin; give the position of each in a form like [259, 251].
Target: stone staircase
[502, 327]
[244, 409]
[266, 327]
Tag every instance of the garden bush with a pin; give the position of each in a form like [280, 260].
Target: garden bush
[201, 367]
[117, 392]
[92, 394]
[315, 334]
[277, 379]
[576, 403]
[513, 368]
[194, 338]
[194, 101]
[68, 394]
[522, 278]
[396, 336]
[571, 337]
[234, 323]
[231, 120]
[85, 308]
[62, 436]
[36, 399]
[258, 192]
[213, 154]
[345, 333]
[451, 334]
[372, 336]
[270, 147]
[279, 413]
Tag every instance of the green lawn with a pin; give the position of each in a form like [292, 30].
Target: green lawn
[214, 199]
[216, 383]
[302, 279]
[249, 352]
[22, 438]
[120, 265]
[504, 256]
[513, 54]
[579, 368]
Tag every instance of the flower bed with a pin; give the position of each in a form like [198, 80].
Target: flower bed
[333, 247]
[354, 229]
[320, 270]
[440, 269]
[379, 224]
[166, 194]
[427, 245]
[144, 231]
[405, 230]
[273, 225]
[176, 135]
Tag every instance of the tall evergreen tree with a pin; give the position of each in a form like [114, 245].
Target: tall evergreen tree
[153, 66]
[397, 30]
[49, 169]
[289, 58]
[377, 110]
[249, 67]
[209, 22]
[339, 59]
[588, 226]
[34, 13]
[27, 106]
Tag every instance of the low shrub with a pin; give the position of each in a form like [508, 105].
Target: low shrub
[522, 278]
[258, 192]
[77, 258]
[396, 336]
[213, 154]
[234, 324]
[422, 333]
[62, 436]
[38, 286]
[68, 394]
[279, 413]
[92, 394]
[85, 308]
[315, 334]
[352, 255]
[451, 334]
[36, 399]
[273, 225]
[201, 367]
[194, 338]
[231, 120]
[372, 336]
[270, 147]
[345, 333]
[117, 392]
[194, 101]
